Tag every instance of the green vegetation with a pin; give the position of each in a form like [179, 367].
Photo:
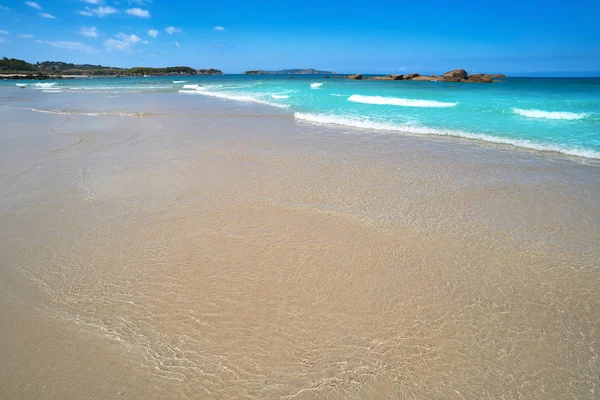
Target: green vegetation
[14, 66]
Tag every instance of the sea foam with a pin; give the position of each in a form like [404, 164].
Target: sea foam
[423, 130]
[316, 85]
[179, 81]
[280, 96]
[45, 85]
[398, 101]
[232, 96]
[549, 114]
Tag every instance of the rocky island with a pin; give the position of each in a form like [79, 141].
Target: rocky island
[457, 75]
[308, 71]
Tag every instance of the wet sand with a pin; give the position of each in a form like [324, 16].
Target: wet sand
[236, 253]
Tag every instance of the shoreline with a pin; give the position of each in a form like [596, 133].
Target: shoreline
[241, 253]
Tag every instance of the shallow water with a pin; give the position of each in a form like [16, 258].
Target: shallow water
[194, 248]
[547, 114]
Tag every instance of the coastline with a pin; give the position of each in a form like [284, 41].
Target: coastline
[222, 249]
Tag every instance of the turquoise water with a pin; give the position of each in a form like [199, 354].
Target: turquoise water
[547, 114]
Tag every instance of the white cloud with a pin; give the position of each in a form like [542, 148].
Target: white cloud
[177, 44]
[26, 36]
[138, 12]
[95, 2]
[101, 11]
[46, 15]
[171, 30]
[122, 42]
[218, 28]
[89, 32]
[3, 32]
[153, 33]
[33, 4]
[66, 45]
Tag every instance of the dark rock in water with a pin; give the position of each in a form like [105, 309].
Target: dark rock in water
[497, 76]
[326, 77]
[409, 76]
[355, 77]
[396, 77]
[292, 77]
[428, 78]
[479, 78]
[455, 75]
[382, 78]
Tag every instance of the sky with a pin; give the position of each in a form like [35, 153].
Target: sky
[549, 38]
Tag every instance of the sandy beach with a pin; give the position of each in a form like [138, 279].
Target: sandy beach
[197, 248]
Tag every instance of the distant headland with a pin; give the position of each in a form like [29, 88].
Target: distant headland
[308, 71]
[18, 69]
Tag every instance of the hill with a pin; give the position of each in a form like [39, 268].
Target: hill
[309, 71]
[15, 66]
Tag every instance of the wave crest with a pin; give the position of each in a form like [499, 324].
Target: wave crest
[549, 114]
[316, 85]
[398, 101]
[422, 130]
[231, 96]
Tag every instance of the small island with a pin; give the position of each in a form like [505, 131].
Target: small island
[309, 71]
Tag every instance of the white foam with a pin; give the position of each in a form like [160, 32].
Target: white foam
[179, 81]
[421, 130]
[549, 114]
[316, 85]
[192, 86]
[73, 112]
[338, 95]
[235, 97]
[21, 85]
[280, 96]
[45, 85]
[398, 101]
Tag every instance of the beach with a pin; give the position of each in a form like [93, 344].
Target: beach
[162, 243]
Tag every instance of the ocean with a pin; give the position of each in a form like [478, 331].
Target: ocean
[548, 114]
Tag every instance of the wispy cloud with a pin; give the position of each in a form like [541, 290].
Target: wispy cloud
[92, 31]
[171, 30]
[26, 36]
[218, 28]
[33, 4]
[96, 2]
[123, 42]
[153, 33]
[2, 40]
[3, 8]
[46, 15]
[177, 44]
[101, 11]
[3, 32]
[138, 12]
[66, 45]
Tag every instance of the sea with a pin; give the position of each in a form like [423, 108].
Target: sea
[559, 115]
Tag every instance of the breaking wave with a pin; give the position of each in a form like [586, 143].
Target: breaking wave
[549, 114]
[398, 101]
[423, 130]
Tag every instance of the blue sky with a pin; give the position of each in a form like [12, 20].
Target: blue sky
[516, 37]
